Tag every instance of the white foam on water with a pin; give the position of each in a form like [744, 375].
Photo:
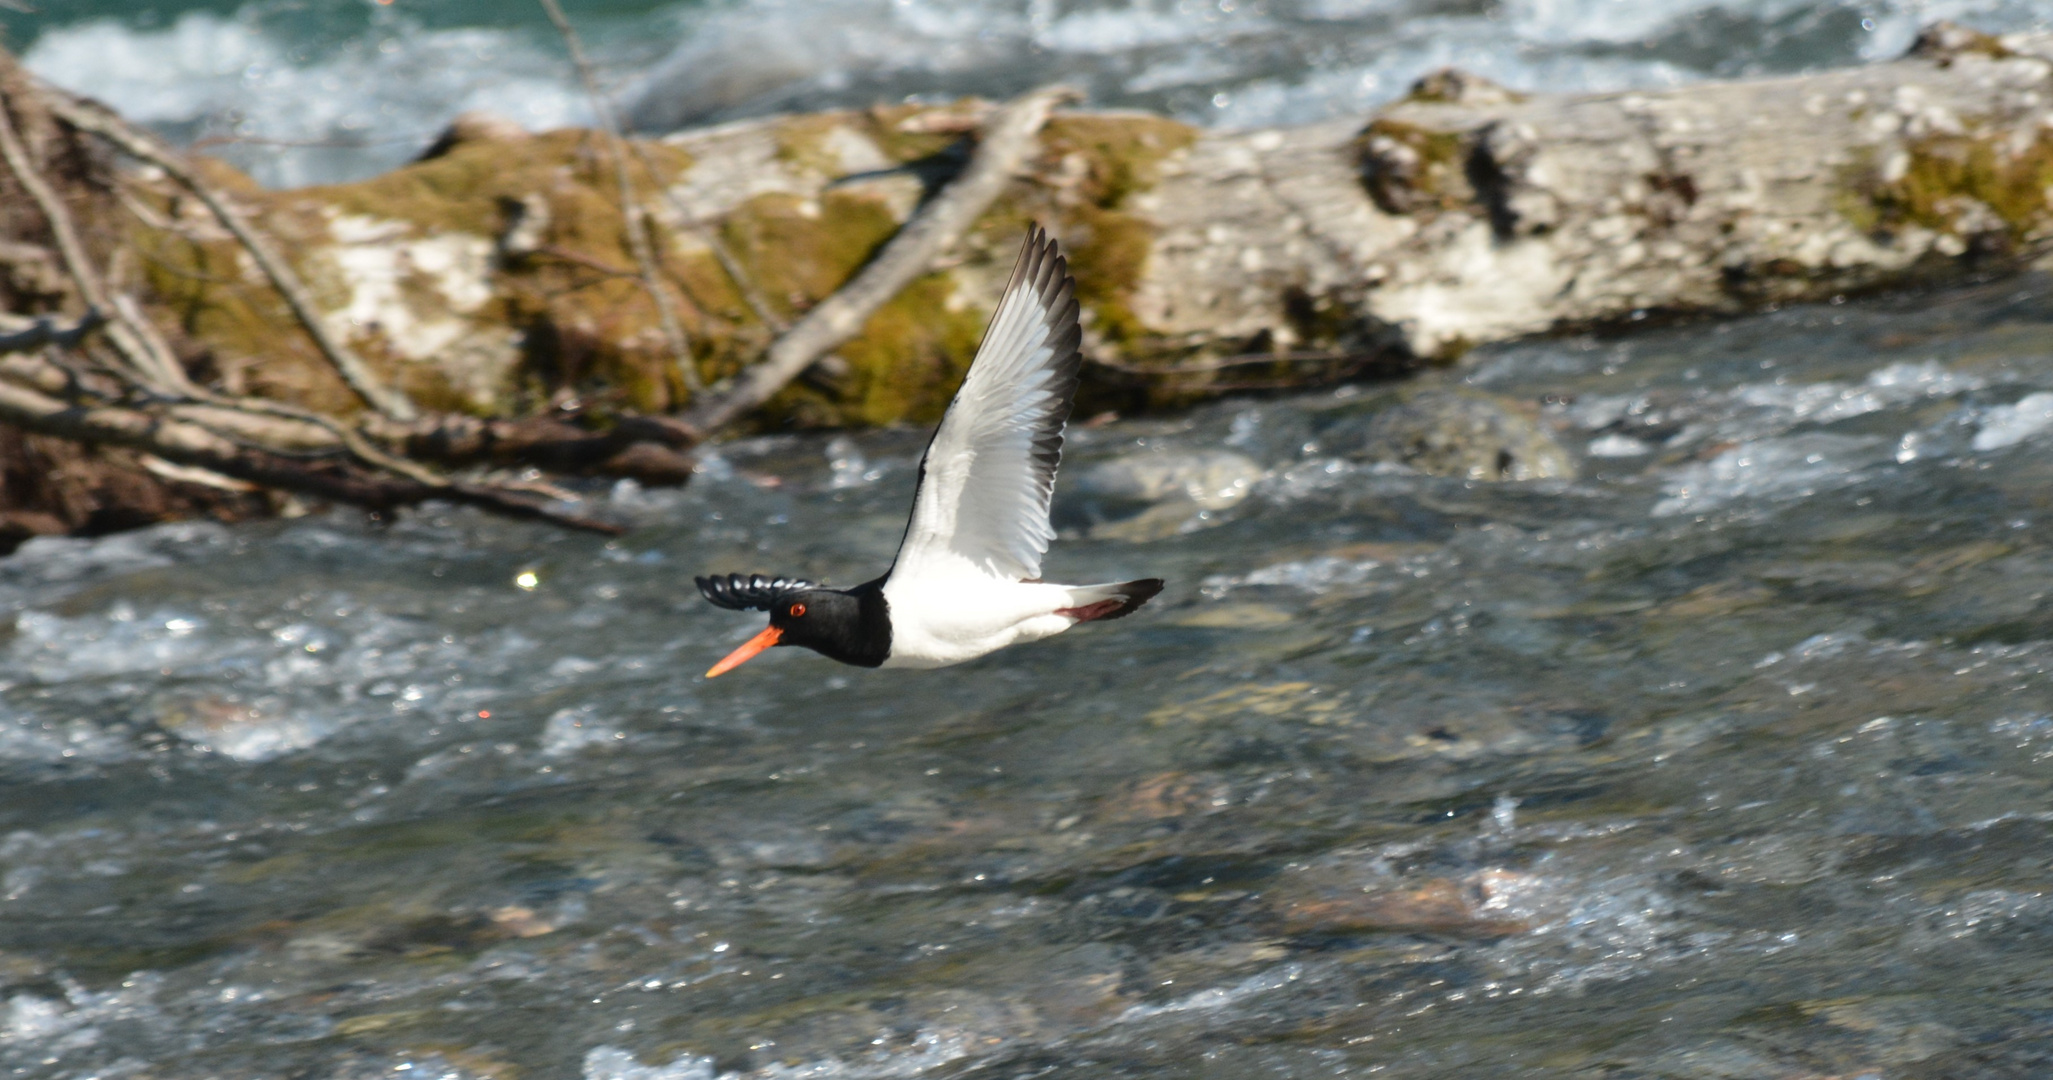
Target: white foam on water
[380, 99]
[1218, 997]
[2008, 425]
[569, 731]
[613, 1063]
[31, 738]
[1796, 466]
[1617, 446]
[929, 1050]
[1317, 575]
[37, 1032]
[53, 648]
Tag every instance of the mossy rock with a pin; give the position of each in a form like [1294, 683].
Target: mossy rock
[499, 274]
[1460, 433]
[1410, 169]
[1983, 184]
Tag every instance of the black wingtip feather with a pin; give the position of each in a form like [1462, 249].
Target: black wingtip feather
[1044, 269]
[737, 592]
[1135, 593]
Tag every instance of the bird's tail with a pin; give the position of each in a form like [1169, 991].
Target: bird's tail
[1093, 603]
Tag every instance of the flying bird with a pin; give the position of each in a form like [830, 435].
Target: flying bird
[967, 580]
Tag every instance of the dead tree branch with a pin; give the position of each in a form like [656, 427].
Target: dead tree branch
[633, 217]
[155, 367]
[89, 117]
[185, 442]
[45, 331]
[1007, 140]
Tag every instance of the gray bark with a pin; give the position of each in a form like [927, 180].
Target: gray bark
[1448, 223]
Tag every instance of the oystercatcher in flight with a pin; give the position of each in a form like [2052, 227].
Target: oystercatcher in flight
[967, 580]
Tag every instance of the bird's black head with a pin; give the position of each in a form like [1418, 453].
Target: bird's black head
[849, 625]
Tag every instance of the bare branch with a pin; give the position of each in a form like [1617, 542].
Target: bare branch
[1006, 142]
[636, 220]
[184, 442]
[144, 147]
[45, 331]
[156, 368]
[743, 284]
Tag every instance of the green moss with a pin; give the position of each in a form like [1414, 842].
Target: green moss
[1109, 254]
[1109, 246]
[1945, 176]
[802, 140]
[1408, 168]
[910, 355]
[584, 315]
[1124, 153]
[1450, 86]
[799, 250]
[1854, 199]
[248, 336]
[460, 191]
[587, 324]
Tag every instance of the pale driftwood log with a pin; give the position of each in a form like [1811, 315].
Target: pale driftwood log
[1006, 141]
[1468, 214]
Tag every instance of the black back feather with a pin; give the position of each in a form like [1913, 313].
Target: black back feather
[737, 592]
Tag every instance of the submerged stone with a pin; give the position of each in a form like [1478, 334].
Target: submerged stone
[1145, 496]
[1465, 434]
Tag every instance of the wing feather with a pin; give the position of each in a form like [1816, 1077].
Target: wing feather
[989, 472]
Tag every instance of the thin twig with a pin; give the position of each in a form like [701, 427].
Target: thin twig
[45, 331]
[155, 368]
[631, 212]
[144, 147]
[1006, 142]
[586, 261]
[184, 442]
[743, 283]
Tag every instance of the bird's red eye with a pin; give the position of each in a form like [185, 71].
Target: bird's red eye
[797, 610]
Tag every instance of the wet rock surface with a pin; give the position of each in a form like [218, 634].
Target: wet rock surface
[1728, 758]
[1147, 496]
[1470, 435]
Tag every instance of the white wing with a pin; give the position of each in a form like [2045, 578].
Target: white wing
[990, 469]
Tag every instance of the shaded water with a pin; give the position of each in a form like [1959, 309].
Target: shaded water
[1733, 758]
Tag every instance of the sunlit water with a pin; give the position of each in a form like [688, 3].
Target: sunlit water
[1733, 758]
[302, 92]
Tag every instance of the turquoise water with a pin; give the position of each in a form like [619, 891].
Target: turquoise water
[302, 92]
[1730, 758]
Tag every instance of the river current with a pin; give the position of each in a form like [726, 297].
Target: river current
[1732, 757]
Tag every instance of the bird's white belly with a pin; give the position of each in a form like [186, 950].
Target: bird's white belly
[935, 623]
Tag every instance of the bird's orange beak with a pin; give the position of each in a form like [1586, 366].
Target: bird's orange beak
[749, 648]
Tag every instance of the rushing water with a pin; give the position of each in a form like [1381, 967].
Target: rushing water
[1732, 758]
[300, 92]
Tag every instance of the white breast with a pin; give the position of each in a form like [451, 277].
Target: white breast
[938, 619]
